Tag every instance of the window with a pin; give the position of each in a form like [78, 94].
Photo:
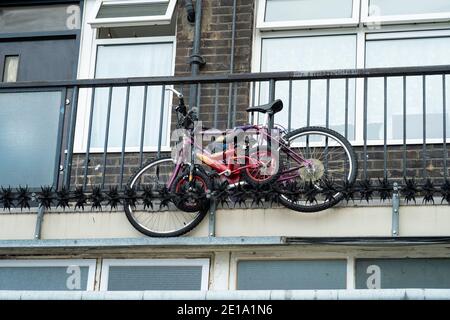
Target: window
[283, 44]
[136, 50]
[134, 12]
[312, 53]
[402, 273]
[39, 18]
[47, 275]
[400, 11]
[306, 13]
[291, 275]
[158, 274]
[405, 50]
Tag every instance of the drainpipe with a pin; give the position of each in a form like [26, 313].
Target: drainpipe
[231, 104]
[196, 60]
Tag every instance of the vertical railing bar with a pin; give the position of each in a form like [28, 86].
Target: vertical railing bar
[424, 149]
[105, 148]
[346, 108]
[365, 127]
[346, 123]
[444, 100]
[234, 104]
[327, 123]
[272, 85]
[290, 107]
[161, 119]
[71, 138]
[216, 106]
[308, 105]
[385, 106]
[405, 161]
[88, 146]
[124, 137]
[230, 93]
[252, 121]
[144, 115]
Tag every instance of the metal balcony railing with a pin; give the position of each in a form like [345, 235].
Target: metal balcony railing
[104, 129]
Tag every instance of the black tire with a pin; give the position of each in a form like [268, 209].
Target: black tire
[203, 204]
[145, 229]
[352, 174]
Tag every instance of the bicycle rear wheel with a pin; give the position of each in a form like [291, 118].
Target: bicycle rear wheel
[164, 219]
[330, 165]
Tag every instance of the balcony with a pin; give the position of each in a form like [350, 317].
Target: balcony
[62, 140]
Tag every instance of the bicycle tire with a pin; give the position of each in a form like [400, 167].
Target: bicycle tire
[145, 230]
[351, 179]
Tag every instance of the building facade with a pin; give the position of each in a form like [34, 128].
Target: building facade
[83, 105]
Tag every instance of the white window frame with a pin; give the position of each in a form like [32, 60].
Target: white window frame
[400, 19]
[90, 263]
[305, 24]
[362, 32]
[107, 263]
[86, 70]
[131, 21]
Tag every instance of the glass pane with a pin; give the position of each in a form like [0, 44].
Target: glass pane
[139, 278]
[11, 68]
[43, 278]
[402, 273]
[292, 275]
[39, 18]
[399, 7]
[307, 54]
[294, 10]
[28, 137]
[141, 60]
[406, 53]
[137, 32]
[132, 10]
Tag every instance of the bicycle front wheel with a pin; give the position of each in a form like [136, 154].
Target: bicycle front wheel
[161, 218]
[328, 164]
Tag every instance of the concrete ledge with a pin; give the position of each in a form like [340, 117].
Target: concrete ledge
[385, 294]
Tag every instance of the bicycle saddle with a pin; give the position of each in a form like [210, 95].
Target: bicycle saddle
[270, 108]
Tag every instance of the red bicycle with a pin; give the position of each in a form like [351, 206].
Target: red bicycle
[250, 155]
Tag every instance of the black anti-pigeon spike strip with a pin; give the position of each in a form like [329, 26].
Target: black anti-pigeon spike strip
[63, 199]
[6, 198]
[113, 197]
[147, 197]
[97, 198]
[384, 189]
[239, 195]
[130, 197]
[428, 191]
[23, 198]
[80, 198]
[366, 190]
[46, 197]
[445, 191]
[410, 190]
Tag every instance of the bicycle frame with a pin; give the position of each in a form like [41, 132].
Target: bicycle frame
[220, 161]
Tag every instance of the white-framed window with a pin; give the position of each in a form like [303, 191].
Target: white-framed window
[154, 274]
[404, 11]
[47, 275]
[325, 45]
[135, 50]
[119, 13]
[285, 14]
